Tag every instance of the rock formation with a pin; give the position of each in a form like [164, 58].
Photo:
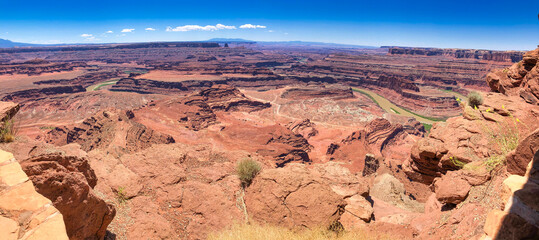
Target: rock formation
[471, 137]
[499, 56]
[108, 127]
[68, 181]
[24, 213]
[296, 196]
[521, 79]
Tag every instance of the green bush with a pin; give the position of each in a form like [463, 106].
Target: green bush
[247, 169]
[475, 99]
[121, 196]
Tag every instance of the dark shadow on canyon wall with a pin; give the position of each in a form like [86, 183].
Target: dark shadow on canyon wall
[522, 218]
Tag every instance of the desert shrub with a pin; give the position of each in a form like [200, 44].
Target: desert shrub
[7, 132]
[247, 169]
[267, 232]
[475, 99]
[121, 196]
[505, 137]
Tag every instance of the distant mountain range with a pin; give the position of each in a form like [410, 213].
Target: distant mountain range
[4, 43]
[287, 43]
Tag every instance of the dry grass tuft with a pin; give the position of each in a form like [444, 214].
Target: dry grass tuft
[267, 232]
[7, 131]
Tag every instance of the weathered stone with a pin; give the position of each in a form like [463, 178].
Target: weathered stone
[518, 160]
[504, 225]
[292, 197]
[9, 230]
[451, 188]
[390, 190]
[357, 211]
[371, 164]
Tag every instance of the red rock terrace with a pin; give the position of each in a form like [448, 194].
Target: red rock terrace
[193, 140]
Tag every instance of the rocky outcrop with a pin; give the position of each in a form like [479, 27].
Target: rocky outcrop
[68, 181]
[38, 93]
[109, 129]
[303, 127]
[7, 111]
[489, 55]
[37, 67]
[476, 136]
[198, 111]
[146, 86]
[228, 98]
[296, 196]
[24, 213]
[521, 79]
[379, 137]
[85, 80]
[171, 191]
[518, 159]
[309, 93]
[520, 216]
[388, 189]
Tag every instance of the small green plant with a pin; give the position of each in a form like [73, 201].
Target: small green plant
[457, 163]
[247, 169]
[494, 161]
[475, 99]
[7, 131]
[427, 126]
[506, 137]
[121, 195]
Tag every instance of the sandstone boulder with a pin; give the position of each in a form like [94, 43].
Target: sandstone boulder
[390, 190]
[68, 181]
[358, 210]
[24, 213]
[518, 160]
[292, 197]
[451, 188]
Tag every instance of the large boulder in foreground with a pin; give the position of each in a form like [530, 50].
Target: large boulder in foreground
[24, 213]
[294, 196]
[68, 181]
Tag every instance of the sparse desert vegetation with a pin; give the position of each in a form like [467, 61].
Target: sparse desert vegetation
[7, 131]
[475, 99]
[267, 232]
[247, 169]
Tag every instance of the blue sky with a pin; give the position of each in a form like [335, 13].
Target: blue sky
[461, 24]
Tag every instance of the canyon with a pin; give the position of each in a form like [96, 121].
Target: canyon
[143, 141]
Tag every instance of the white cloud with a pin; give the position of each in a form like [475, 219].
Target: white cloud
[150, 29]
[86, 35]
[128, 30]
[109, 31]
[270, 30]
[187, 28]
[251, 26]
